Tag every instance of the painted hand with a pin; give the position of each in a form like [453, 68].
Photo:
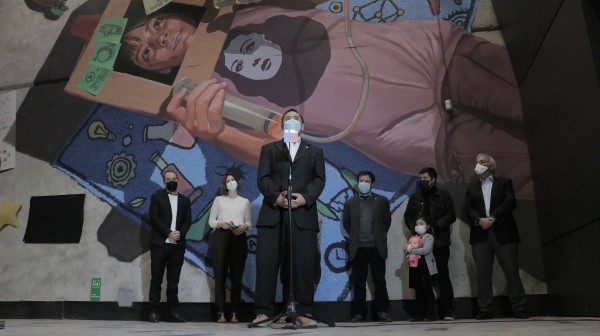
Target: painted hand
[201, 116]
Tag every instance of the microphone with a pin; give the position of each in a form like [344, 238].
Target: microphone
[290, 135]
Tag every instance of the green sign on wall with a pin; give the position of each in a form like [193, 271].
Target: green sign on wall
[95, 292]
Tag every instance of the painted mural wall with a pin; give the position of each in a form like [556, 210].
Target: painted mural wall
[409, 63]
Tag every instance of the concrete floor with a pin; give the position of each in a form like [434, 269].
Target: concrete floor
[542, 326]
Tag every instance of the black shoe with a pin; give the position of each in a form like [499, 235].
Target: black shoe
[384, 317]
[521, 314]
[357, 318]
[154, 317]
[417, 319]
[176, 318]
[484, 315]
[449, 316]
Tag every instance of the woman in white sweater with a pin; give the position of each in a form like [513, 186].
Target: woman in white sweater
[230, 217]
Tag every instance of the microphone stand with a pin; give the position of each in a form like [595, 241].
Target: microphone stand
[290, 311]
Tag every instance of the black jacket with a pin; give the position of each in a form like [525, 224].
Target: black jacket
[443, 213]
[160, 217]
[502, 205]
[308, 170]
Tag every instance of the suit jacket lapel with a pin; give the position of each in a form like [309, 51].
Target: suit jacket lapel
[301, 150]
[168, 204]
[494, 194]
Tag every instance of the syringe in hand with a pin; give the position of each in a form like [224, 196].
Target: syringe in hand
[241, 111]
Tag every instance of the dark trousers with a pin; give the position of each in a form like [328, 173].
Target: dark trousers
[169, 256]
[368, 258]
[508, 258]
[425, 303]
[272, 255]
[228, 253]
[442, 256]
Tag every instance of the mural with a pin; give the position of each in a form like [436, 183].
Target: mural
[409, 89]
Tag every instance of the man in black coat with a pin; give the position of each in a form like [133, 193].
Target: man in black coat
[167, 244]
[366, 220]
[273, 236]
[436, 207]
[489, 204]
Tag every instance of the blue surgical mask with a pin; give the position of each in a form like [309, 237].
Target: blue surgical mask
[364, 187]
[292, 124]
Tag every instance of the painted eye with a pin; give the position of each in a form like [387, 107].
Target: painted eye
[249, 48]
[239, 66]
[146, 54]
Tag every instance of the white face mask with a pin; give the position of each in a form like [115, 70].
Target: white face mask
[480, 169]
[421, 229]
[232, 185]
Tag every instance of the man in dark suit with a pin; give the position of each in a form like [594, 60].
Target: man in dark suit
[273, 236]
[366, 220]
[171, 217]
[489, 204]
[436, 207]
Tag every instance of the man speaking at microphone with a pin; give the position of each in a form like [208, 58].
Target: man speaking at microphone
[273, 237]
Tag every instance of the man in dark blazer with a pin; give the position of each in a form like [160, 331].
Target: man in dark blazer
[366, 220]
[273, 236]
[489, 204]
[167, 244]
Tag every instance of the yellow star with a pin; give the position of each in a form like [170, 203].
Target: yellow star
[8, 214]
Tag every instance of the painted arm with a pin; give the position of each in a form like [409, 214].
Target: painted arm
[201, 116]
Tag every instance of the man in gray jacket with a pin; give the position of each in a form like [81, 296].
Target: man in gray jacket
[367, 219]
